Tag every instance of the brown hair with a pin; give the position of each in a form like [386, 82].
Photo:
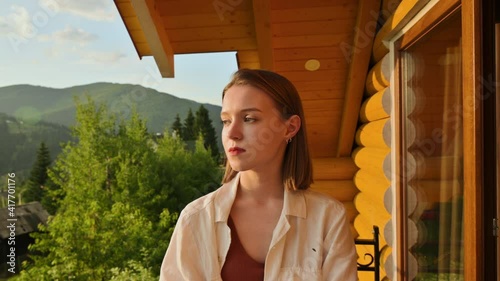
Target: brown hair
[297, 166]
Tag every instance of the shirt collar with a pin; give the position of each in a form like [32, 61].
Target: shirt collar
[224, 199]
[294, 203]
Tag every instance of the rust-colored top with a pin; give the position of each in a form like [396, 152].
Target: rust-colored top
[239, 266]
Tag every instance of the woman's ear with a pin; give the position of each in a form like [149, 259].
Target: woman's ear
[292, 126]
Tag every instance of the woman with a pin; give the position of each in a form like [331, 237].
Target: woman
[262, 223]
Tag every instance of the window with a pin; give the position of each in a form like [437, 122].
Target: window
[431, 146]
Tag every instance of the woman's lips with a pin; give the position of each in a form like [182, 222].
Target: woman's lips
[235, 150]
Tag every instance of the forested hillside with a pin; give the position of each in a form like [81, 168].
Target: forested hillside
[32, 114]
[20, 140]
[33, 103]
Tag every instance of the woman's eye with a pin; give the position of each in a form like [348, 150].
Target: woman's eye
[225, 122]
[249, 119]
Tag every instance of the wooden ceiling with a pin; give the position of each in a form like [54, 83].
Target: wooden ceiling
[280, 35]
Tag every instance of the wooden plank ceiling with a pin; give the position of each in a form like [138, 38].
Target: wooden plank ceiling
[281, 35]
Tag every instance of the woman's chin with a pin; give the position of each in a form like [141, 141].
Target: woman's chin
[238, 167]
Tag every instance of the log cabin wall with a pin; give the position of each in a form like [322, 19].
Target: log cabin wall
[372, 156]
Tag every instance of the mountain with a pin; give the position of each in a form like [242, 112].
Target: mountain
[19, 142]
[34, 103]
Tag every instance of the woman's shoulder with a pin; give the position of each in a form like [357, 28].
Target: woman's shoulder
[323, 201]
[199, 205]
[205, 206]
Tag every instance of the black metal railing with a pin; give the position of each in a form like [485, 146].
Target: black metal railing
[374, 263]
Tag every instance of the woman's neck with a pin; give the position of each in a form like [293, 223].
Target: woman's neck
[260, 187]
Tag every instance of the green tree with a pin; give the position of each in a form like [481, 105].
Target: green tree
[189, 133]
[122, 195]
[203, 125]
[35, 188]
[52, 195]
[177, 126]
[190, 173]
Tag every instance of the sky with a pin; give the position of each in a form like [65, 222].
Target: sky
[64, 43]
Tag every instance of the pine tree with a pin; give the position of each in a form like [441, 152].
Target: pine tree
[38, 177]
[177, 126]
[189, 133]
[203, 126]
[52, 196]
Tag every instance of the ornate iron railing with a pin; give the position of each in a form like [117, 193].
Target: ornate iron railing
[374, 263]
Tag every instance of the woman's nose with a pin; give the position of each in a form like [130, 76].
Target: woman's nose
[233, 131]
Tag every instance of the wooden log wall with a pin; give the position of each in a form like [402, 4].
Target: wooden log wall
[334, 177]
[373, 155]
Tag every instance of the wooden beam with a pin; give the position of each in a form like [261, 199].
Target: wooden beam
[472, 133]
[129, 17]
[363, 224]
[387, 9]
[376, 107]
[333, 168]
[378, 77]
[371, 184]
[156, 35]
[376, 161]
[342, 190]
[351, 211]
[263, 24]
[375, 134]
[403, 14]
[373, 207]
[360, 59]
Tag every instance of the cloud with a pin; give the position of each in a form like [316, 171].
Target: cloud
[70, 34]
[18, 22]
[75, 55]
[97, 10]
[53, 52]
[105, 57]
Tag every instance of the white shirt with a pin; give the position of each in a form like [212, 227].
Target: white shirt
[311, 241]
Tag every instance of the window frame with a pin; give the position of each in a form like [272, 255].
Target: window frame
[472, 132]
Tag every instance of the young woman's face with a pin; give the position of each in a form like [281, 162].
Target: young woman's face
[254, 134]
